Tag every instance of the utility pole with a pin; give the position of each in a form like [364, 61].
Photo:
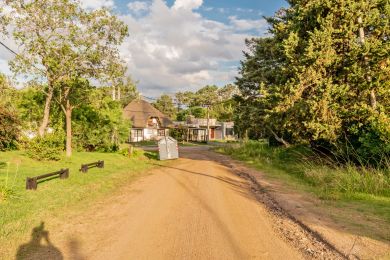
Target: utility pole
[208, 123]
[368, 77]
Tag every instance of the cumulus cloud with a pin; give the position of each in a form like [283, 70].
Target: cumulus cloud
[138, 7]
[95, 4]
[175, 48]
[187, 4]
[247, 25]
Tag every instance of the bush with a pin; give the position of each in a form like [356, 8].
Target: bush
[136, 152]
[9, 129]
[49, 147]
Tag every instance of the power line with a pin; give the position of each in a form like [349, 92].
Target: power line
[9, 49]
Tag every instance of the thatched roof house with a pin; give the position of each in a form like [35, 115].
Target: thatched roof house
[147, 121]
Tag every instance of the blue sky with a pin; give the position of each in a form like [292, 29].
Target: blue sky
[251, 9]
[179, 45]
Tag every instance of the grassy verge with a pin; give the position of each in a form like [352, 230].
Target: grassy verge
[353, 189]
[20, 209]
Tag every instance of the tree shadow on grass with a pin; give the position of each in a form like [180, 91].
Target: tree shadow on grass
[39, 247]
[151, 155]
[2, 165]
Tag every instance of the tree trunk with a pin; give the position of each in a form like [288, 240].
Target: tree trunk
[113, 93]
[362, 41]
[373, 99]
[279, 139]
[119, 93]
[46, 112]
[68, 118]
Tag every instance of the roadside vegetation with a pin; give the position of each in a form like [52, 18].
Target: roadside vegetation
[321, 79]
[68, 112]
[317, 90]
[343, 184]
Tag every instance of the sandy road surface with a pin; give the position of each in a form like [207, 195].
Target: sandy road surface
[192, 209]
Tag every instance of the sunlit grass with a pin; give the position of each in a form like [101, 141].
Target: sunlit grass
[21, 209]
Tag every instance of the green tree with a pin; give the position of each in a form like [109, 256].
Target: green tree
[127, 91]
[99, 124]
[317, 80]
[166, 106]
[9, 119]
[63, 43]
[4, 18]
[9, 128]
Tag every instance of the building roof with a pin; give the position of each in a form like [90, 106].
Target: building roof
[139, 112]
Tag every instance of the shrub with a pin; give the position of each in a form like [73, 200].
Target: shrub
[49, 147]
[9, 129]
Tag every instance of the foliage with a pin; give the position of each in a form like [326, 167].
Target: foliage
[178, 133]
[197, 112]
[99, 125]
[127, 91]
[63, 44]
[4, 19]
[312, 81]
[49, 147]
[29, 102]
[9, 129]
[166, 106]
[219, 101]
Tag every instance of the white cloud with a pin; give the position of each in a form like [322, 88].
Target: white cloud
[138, 7]
[187, 4]
[247, 25]
[172, 49]
[96, 4]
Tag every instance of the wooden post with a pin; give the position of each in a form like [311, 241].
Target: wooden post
[64, 173]
[31, 183]
[130, 150]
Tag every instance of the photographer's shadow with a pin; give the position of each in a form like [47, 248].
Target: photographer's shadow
[39, 247]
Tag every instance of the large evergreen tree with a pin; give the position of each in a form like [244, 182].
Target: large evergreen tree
[323, 75]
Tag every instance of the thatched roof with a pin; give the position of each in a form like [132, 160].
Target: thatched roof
[139, 112]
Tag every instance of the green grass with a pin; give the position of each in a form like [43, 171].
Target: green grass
[361, 190]
[22, 209]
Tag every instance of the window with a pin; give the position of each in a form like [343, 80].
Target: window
[229, 131]
[161, 132]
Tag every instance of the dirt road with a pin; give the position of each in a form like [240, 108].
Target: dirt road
[194, 208]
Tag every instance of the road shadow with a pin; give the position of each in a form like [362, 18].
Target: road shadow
[39, 247]
[241, 187]
[75, 250]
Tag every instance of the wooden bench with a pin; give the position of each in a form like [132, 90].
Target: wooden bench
[84, 167]
[32, 182]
